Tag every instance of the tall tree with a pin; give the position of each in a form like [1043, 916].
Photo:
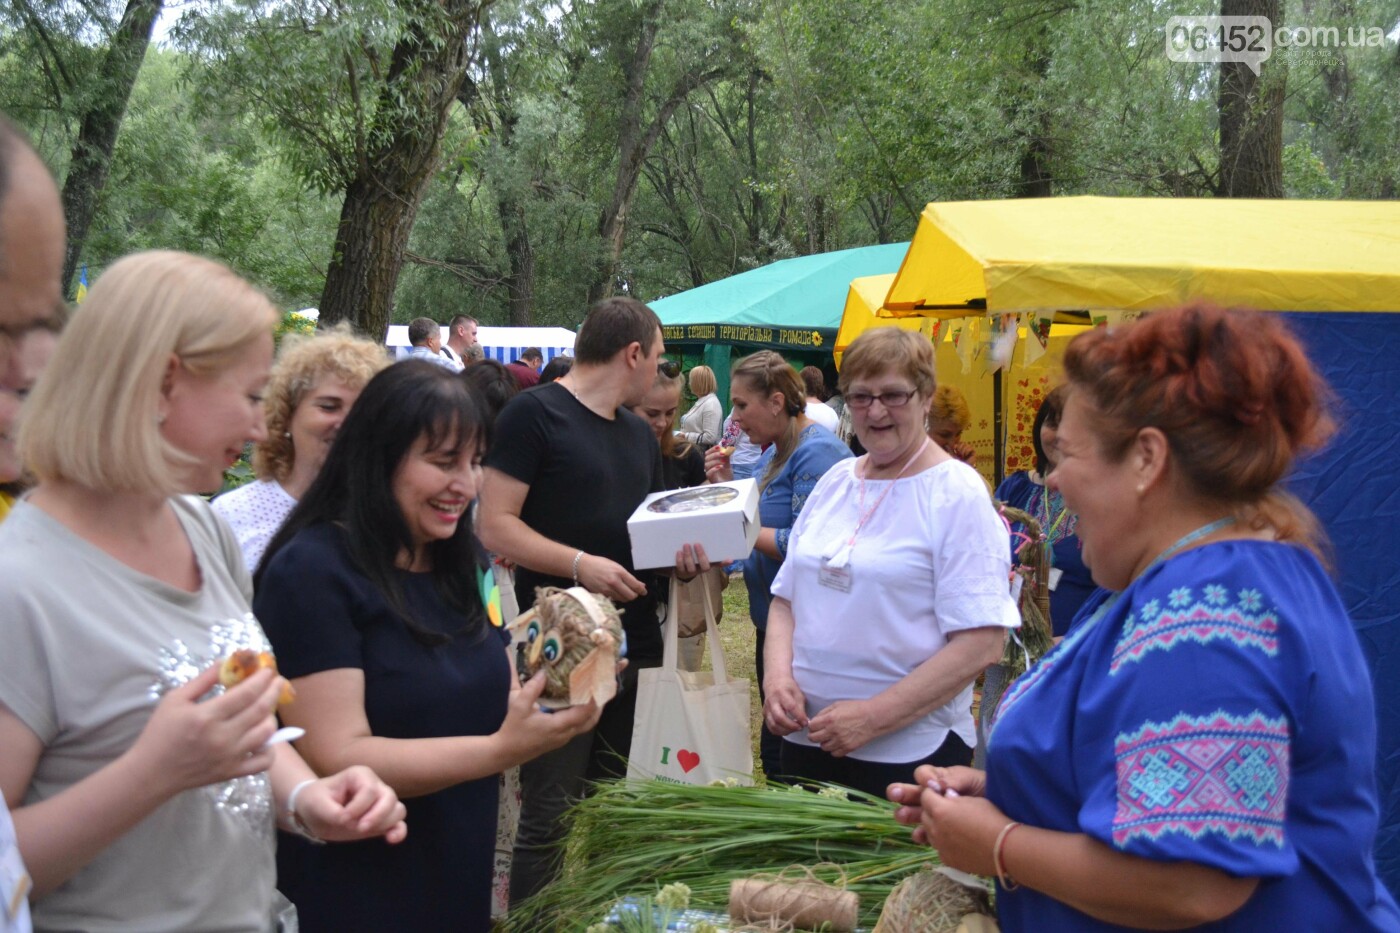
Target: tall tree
[622, 41]
[1251, 116]
[360, 95]
[91, 160]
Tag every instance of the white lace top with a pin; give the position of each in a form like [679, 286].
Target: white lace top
[255, 512]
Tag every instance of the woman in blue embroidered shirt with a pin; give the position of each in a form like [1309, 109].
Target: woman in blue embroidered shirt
[1200, 750]
[1070, 582]
[768, 400]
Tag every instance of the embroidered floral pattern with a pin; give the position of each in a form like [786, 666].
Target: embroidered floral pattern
[1246, 623]
[1197, 775]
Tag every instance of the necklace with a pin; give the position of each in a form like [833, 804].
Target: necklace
[1189, 539]
[1056, 524]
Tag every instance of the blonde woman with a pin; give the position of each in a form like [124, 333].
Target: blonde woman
[142, 804]
[701, 425]
[769, 400]
[314, 383]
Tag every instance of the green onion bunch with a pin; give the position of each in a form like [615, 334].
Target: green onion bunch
[631, 837]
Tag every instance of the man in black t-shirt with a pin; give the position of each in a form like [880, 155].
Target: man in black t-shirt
[568, 467]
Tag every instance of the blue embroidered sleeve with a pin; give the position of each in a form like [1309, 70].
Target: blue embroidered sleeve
[1199, 711]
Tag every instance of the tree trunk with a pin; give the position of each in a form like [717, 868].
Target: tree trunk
[91, 159]
[635, 141]
[510, 204]
[1036, 156]
[520, 285]
[1251, 116]
[382, 200]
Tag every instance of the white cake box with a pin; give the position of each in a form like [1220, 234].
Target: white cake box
[722, 517]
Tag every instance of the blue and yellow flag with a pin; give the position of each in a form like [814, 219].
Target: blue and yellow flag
[81, 293]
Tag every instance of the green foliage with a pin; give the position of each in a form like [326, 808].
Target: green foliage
[828, 123]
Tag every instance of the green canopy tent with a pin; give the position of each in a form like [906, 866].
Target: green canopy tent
[793, 306]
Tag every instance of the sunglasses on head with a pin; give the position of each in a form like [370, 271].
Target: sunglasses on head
[668, 368]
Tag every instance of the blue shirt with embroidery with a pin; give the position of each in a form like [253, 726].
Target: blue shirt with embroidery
[781, 502]
[1219, 712]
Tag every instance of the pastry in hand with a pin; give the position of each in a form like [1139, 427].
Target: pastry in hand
[246, 662]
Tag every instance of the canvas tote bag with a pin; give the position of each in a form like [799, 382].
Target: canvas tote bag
[691, 727]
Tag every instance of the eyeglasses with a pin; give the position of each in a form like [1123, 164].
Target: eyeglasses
[861, 400]
[668, 368]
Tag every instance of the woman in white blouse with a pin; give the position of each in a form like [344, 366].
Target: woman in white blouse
[701, 425]
[894, 594]
[313, 385]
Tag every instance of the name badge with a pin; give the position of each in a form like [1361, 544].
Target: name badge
[14, 882]
[835, 578]
[1053, 579]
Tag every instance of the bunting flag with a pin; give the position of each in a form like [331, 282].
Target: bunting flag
[1001, 344]
[81, 293]
[965, 342]
[1107, 317]
[1038, 336]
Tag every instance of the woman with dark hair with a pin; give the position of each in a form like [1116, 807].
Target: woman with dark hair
[1200, 751]
[372, 593]
[556, 369]
[817, 409]
[494, 387]
[1070, 583]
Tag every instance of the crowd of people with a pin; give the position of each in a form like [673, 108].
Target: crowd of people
[1198, 748]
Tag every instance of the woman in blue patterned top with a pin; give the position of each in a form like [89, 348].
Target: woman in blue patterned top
[768, 400]
[1070, 582]
[1200, 751]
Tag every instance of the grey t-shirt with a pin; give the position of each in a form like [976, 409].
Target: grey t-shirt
[89, 645]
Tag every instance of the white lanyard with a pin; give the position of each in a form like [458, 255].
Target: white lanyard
[842, 557]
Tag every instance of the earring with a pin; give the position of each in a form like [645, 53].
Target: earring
[287, 435]
[1141, 488]
[160, 418]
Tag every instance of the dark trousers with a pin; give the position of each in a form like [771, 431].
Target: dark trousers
[556, 780]
[769, 745]
[807, 763]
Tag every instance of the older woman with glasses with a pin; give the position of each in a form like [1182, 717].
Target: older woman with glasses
[894, 594]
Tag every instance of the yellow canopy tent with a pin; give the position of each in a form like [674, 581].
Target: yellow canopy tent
[1331, 268]
[1136, 254]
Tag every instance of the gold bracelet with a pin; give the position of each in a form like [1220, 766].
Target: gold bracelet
[1007, 882]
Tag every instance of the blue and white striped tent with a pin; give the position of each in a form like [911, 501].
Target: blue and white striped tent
[503, 344]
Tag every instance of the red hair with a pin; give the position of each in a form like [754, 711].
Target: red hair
[1232, 390]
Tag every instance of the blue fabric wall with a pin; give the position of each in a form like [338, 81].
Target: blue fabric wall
[1354, 487]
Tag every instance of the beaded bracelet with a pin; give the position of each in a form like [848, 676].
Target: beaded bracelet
[1007, 882]
[577, 557]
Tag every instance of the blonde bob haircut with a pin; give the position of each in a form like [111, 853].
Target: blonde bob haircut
[883, 349]
[702, 381]
[302, 364]
[93, 417]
